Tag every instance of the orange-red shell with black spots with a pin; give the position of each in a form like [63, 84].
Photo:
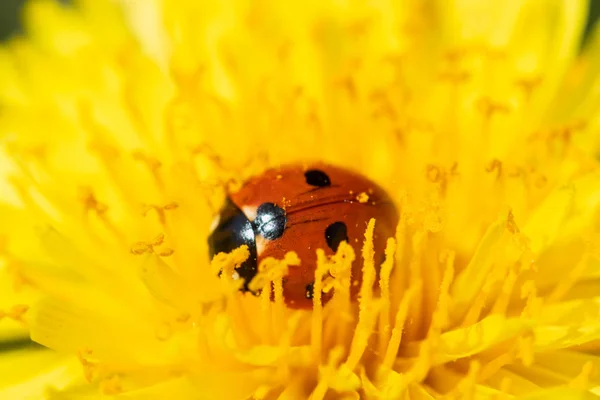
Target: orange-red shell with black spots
[301, 209]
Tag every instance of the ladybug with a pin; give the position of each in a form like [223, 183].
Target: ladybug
[302, 209]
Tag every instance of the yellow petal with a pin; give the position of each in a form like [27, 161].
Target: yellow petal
[561, 394]
[568, 324]
[28, 373]
[574, 366]
[471, 280]
[549, 49]
[68, 327]
[483, 335]
[577, 103]
[545, 223]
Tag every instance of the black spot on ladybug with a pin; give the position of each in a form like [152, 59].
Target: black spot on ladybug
[310, 290]
[316, 177]
[270, 221]
[335, 234]
[234, 229]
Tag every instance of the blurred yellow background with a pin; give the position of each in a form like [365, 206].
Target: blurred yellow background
[9, 15]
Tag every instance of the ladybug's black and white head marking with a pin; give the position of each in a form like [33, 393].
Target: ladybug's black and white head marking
[233, 229]
[318, 178]
[270, 221]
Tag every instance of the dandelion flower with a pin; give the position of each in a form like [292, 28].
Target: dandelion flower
[123, 126]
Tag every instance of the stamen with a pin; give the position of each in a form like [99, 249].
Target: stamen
[179, 115]
[489, 108]
[441, 314]
[368, 309]
[16, 313]
[153, 165]
[506, 385]
[314, 123]
[383, 106]
[265, 307]
[527, 86]
[368, 269]
[398, 279]
[401, 315]
[415, 331]
[525, 349]
[582, 381]
[111, 386]
[533, 302]
[494, 365]
[207, 151]
[316, 330]
[270, 274]
[140, 248]
[503, 299]
[455, 77]
[367, 386]
[363, 330]
[348, 85]
[566, 283]
[384, 284]
[271, 269]
[422, 365]
[91, 204]
[511, 225]
[340, 268]
[474, 311]
[89, 364]
[229, 175]
[130, 65]
[225, 263]
[466, 388]
[262, 392]
[440, 175]
[495, 165]
[160, 211]
[327, 374]
[12, 266]
[108, 154]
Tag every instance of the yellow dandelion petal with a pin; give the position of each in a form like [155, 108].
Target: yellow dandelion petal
[52, 372]
[125, 126]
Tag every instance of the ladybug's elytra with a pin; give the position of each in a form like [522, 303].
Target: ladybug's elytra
[302, 209]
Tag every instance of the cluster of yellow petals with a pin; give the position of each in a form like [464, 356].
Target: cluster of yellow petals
[123, 124]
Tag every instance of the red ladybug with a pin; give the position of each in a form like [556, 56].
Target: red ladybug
[300, 209]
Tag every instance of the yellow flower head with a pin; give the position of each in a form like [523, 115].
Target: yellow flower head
[123, 126]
